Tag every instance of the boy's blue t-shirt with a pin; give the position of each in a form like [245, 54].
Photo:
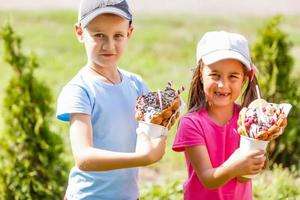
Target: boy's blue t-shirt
[111, 108]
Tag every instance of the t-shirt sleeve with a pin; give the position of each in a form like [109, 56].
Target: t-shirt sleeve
[73, 99]
[189, 133]
[142, 85]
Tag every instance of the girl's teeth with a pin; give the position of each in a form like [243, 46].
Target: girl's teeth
[222, 94]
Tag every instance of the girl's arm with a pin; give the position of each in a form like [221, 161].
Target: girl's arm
[242, 179]
[235, 166]
[88, 158]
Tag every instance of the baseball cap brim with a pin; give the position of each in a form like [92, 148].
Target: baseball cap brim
[216, 56]
[111, 10]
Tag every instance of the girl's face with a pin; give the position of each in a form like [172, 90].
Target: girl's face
[222, 82]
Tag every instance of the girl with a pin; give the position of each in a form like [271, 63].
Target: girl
[208, 132]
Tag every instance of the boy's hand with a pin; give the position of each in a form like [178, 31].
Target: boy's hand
[150, 150]
[251, 163]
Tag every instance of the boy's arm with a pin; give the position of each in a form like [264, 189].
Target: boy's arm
[233, 167]
[88, 158]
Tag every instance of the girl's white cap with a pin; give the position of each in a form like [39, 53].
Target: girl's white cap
[219, 45]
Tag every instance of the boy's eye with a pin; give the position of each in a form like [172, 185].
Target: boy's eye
[99, 35]
[119, 36]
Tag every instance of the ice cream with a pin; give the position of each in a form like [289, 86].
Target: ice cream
[263, 120]
[160, 107]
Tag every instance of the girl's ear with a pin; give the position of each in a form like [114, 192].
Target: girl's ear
[79, 32]
[245, 79]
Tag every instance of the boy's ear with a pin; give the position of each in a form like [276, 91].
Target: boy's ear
[79, 32]
[130, 30]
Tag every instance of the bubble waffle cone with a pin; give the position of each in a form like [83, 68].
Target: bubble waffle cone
[263, 120]
[161, 107]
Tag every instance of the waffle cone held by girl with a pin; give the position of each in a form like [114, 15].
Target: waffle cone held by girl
[263, 120]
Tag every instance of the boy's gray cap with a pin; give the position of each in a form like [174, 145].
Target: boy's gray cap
[219, 45]
[89, 9]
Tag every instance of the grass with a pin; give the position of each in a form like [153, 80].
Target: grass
[275, 184]
[162, 48]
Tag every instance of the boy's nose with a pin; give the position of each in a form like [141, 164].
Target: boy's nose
[107, 44]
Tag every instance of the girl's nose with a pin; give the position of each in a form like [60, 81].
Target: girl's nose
[222, 83]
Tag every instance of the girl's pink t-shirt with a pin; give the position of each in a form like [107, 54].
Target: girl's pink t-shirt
[197, 128]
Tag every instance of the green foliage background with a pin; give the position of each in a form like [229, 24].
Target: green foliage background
[272, 53]
[162, 48]
[31, 165]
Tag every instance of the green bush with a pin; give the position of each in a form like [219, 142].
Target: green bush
[30, 167]
[170, 191]
[280, 183]
[277, 184]
[271, 53]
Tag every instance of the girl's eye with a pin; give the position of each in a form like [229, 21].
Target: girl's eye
[234, 76]
[214, 75]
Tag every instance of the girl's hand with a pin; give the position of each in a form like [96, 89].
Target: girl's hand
[251, 163]
[150, 150]
[243, 179]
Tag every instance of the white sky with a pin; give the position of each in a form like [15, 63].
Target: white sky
[212, 7]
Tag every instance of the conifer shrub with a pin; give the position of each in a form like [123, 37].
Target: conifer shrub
[271, 53]
[31, 163]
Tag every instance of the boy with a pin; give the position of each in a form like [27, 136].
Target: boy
[99, 103]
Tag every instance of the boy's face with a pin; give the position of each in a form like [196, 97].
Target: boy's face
[105, 39]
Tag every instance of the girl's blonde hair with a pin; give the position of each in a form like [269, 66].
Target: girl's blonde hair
[197, 99]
